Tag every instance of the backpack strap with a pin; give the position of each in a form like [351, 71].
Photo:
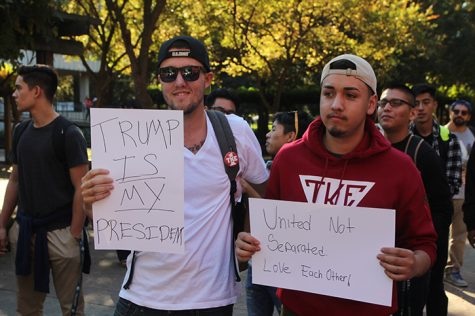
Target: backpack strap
[61, 125]
[227, 145]
[412, 147]
[17, 132]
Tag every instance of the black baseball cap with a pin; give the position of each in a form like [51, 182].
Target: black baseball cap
[196, 50]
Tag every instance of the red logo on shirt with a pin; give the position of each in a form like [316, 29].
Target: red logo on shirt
[231, 159]
[334, 191]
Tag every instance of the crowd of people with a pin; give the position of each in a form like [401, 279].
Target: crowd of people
[421, 169]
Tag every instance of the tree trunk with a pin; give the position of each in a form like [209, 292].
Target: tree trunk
[142, 98]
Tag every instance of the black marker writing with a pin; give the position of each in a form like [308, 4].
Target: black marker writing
[338, 227]
[102, 131]
[111, 229]
[273, 221]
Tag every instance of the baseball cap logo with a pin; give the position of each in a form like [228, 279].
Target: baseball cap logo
[180, 53]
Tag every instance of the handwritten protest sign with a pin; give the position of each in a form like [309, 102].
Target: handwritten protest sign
[143, 150]
[322, 249]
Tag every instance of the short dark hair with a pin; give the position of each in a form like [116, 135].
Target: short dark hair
[465, 103]
[40, 75]
[224, 94]
[404, 88]
[287, 119]
[421, 88]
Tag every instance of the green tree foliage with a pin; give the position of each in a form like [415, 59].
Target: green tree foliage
[22, 22]
[137, 21]
[452, 67]
[103, 44]
[282, 45]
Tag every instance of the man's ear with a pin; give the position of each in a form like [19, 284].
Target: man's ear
[373, 104]
[290, 136]
[412, 114]
[208, 79]
[37, 91]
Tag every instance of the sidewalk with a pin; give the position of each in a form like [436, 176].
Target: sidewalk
[103, 284]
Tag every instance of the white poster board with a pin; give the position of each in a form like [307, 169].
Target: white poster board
[322, 249]
[143, 150]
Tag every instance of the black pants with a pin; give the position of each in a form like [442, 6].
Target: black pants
[437, 301]
[412, 296]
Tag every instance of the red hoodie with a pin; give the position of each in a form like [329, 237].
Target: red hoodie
[373, 175]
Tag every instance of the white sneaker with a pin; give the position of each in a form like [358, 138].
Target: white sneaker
[456, 279]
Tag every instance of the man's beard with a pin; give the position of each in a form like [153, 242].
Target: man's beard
[335, 132]
[459, 122]
[188, 110]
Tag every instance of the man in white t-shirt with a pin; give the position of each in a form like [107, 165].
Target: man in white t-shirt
[460, 114]
[202, 279]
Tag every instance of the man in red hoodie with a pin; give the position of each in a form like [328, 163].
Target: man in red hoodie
[343, 144]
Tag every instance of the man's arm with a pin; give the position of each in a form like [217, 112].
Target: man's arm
[254, 190]
[76, 173]
[9, 203]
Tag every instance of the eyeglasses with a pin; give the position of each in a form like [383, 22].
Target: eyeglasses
[394, 103]
[189, 73]
[462, 112]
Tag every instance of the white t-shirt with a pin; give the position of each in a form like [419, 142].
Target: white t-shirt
[202, 277]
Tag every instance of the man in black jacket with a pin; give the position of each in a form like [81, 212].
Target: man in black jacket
[395, 110]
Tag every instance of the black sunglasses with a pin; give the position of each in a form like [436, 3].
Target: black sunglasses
[189, 73]
[462, 112]
[394, 103]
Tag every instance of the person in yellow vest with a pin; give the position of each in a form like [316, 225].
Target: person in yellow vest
[447, 147]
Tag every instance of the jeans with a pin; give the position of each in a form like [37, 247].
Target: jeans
[127, 308]
[260, 299]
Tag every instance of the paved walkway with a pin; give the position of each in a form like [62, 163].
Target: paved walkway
[103, 284]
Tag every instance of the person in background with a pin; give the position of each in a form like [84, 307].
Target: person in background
[48, 234]
[287, 127]
[447, 147]
[469, 203]
[395, 110]
[222, 100]
[460, 114]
